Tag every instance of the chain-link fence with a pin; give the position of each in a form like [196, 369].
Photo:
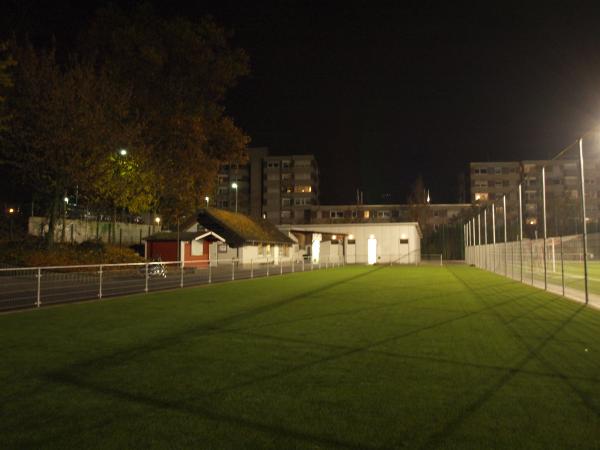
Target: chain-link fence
[544, 229]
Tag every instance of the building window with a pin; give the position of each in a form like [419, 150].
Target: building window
[302, 188]
[383, 214]
[404, 241]
[302, 176]
[286, 214]
[303, 201]
[351, 241]
[286, 176]
[285, 164]
[223, 190]
[481, 183]
[222, 248]
[302, 162]
[336, 214]
[273, 177]
[286, 201]
[366, 214]
[273, 164]
[197, 248]
[481, 196]
[354, 214]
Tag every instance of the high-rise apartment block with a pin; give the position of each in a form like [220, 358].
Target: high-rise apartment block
[279, 188]
[490, 181]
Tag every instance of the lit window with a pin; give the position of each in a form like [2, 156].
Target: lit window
[302, 188]
[481, 196]
[366, 214]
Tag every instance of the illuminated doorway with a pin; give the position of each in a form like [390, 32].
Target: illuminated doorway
[372, 250]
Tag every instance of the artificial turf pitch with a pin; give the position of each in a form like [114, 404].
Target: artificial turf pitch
[356, 357]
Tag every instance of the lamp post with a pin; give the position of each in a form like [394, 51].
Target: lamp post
[11, 212]
[234, 185]
[157, 221]
[206, 199]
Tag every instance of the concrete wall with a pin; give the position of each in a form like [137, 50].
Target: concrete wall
[82, 230]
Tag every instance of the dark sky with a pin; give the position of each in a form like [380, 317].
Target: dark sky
[381, 93]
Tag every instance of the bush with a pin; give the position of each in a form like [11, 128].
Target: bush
[31, 252]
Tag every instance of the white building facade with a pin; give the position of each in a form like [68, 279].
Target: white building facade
[360, 243]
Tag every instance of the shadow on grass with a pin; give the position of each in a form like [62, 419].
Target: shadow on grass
[203, 413]
[450, 427]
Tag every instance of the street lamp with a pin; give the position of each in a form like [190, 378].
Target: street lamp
[11, 212]
[206, 199]
[123, 152]
[157, 220]
[234, 185]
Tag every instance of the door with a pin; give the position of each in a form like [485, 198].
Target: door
[372, 250]
[351, 253]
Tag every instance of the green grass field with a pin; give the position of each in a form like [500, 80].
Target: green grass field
[356, 357]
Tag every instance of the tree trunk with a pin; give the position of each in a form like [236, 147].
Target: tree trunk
[51, 221]
[114, 225]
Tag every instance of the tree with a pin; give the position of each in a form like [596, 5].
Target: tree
[179, 72]
[5, 81]
[417, 204]
[65, 124]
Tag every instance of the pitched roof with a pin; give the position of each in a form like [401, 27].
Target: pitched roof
[239, 229]
[184, 236]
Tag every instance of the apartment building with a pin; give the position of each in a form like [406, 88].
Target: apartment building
[432, 215]
[492, 180]
[280, 188]
[290, 188]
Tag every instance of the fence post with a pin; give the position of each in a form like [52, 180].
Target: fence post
[545, 230]
[146, 286]
[292, 265]
[38, 302]
[232, 270]
[209, 272]
[101, 277]
[251, 268]
[181, 274]
[267, 266]
[583, 213]
[521, 230]
[531, 259]
[302, 264]
[485, 238]
[562, 266]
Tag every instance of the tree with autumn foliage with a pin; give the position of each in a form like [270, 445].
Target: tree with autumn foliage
[179, 72]
[6, 62]
[66, 122]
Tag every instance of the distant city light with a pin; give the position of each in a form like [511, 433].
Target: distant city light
[11, 210]
[157, 220]
[123, 152]
[66, 199]
[234, 185]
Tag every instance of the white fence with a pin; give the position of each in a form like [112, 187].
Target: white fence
[33, 287]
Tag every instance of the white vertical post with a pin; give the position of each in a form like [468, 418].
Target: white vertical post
[146, 279]
[485, 237]
[545, 230]
[251, 269]
[479, 239]
[267, 266]
[209, 272]
[100, 279]
[521, 230]
[232, 269]
[302, 264]
[293, 265]
[280, 267]
[38, 301]
[505, 237]
[181, 274]
[584, 214]
[494, 235]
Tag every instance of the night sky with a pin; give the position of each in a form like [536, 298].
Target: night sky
[381, 93]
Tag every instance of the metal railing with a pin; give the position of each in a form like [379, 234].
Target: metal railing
[33, 287]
